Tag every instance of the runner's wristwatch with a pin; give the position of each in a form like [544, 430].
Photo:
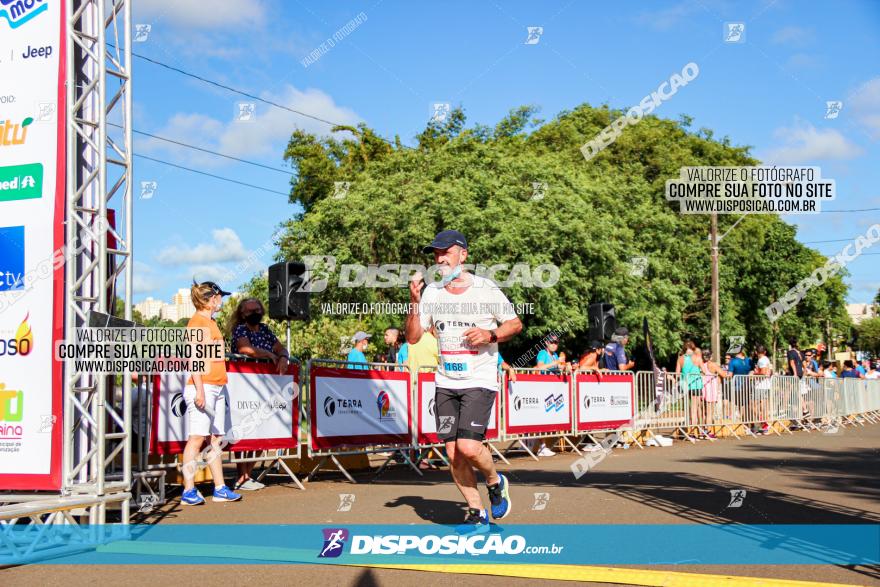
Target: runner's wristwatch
[493, 337]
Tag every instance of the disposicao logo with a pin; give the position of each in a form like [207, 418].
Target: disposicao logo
[334, 542]
[21, 182]
[18, 12]
[474, 545]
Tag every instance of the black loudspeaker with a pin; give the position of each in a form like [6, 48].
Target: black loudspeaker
[286, 300]
[603, 323]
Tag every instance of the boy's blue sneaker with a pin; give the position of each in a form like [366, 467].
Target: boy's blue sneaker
[499, 497]
[475, 522]
[192, 497]
[225, 494]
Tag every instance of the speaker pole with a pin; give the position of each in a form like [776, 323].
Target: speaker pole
[288, 337]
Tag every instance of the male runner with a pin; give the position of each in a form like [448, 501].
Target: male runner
[470, 316]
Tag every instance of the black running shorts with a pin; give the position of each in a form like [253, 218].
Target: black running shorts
[463, 413]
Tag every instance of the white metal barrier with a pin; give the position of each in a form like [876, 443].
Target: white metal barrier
[630, 406]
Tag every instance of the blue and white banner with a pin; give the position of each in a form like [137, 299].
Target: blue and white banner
[723, 544]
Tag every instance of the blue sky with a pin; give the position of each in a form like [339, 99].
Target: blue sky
[768, 92]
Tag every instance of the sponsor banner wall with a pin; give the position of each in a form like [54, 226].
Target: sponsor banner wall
[426, 424]
[605, 400]
[538, 403]
[32, 181]
[352, 407]
[263, 409]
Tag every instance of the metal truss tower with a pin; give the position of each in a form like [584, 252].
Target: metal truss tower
[97, 446]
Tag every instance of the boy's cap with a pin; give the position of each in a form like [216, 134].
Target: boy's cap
[216, 289]
[361, 335]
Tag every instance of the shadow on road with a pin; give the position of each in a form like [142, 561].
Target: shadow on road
[842, 471]
[437, 511]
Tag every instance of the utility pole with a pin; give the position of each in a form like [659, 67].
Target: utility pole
[716, 318]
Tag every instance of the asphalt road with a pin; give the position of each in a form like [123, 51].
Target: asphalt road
[813, 478]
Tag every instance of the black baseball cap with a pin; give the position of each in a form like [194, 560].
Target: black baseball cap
[444, 240]
[216, 289]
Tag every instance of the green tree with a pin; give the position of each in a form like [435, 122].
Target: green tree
[869, 336]
[119, 311]
[591, 220]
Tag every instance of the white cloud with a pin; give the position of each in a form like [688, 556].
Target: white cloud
[265, 135]
[865, 106]
[669, 17]
[235, 14]
[803, 144]
[803, 61]
[225, 247]
[792, 35]
[216, 273]
[144, 280]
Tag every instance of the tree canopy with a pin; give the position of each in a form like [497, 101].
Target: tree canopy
[592, 218]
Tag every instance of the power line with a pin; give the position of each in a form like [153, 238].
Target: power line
[234, 90]
[294, 111]
[246, 94]
[204, 150]
[250, 185]
[834, 240]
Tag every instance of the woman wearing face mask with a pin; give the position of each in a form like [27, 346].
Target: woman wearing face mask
[253, 338]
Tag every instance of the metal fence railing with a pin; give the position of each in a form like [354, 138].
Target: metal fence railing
[686, 406]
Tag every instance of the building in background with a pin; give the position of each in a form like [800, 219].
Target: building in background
[149, 308]
[169, 312]
[181, 306]
[182, 301]
[860, 312]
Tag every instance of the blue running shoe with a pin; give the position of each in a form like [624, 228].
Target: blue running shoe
[225, 494]
[499, 497]
[192, 497]
[475, 522]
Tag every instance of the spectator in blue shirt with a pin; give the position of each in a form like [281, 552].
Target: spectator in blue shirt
[863, 368]
[548, 358]
[356, 357]
[615, 353]
[740, 364]
[849, 371]
[810, 361]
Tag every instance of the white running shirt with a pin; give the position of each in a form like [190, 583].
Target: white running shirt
[482, 305]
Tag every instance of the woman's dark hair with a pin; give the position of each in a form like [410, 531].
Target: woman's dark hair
[761, 349]
[848, 364]
[689, 345]
[707, 354]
